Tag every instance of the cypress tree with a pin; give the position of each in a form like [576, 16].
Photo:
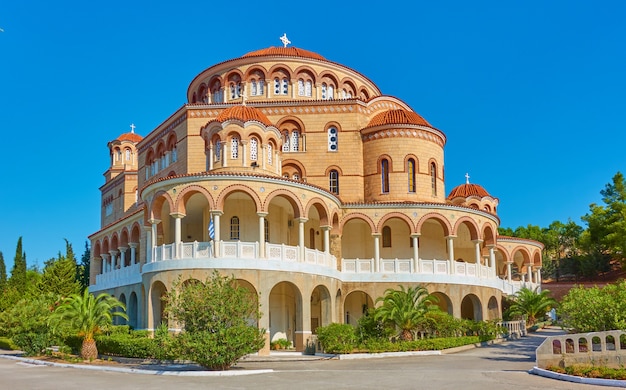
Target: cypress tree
[18, 273]
[3, 273]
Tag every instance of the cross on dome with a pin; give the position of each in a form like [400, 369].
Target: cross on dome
[285, 40]
[467, 176]
[132, 127]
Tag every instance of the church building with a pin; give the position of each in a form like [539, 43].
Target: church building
[299, 177]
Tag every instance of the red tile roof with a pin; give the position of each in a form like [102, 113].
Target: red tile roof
[132, 137]
[245, 114]
[284, 51]
[467, 190]
[397, 117]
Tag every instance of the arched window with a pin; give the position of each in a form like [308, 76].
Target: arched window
[174, 154]
[333, 181]
[331, 92]
[235, 90]
[433, 178]
[295, 176]
[234, 228]
[259, 91]
[234, 145]
[384, 173]
[295, 137]
[118, 155]
[410, 169]
[266, 224]
[285, 141]
[308, 89]
[332, 139]
[276, 86]
[253, 149]
[218, 150]
[386, 237]
[324, 90]
[269, 154]
[253, 88]
[127, 151]
[300, 87]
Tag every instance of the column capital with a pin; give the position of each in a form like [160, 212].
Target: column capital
[216, 212]
[154, 221]
[326, 227]
[104, 256]
[122, 248]
[450, 237]
[415, 235]
[477, 241]
[176, 214]
[262, 214]
[302, 219]
[113, 252]
[375, 235]
[133, 244]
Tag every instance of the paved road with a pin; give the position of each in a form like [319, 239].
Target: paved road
[500, 366]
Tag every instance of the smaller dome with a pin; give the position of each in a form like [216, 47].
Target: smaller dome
[132, 137]
[466, 190]
[284, 51]
[244, 114]
[398, 117]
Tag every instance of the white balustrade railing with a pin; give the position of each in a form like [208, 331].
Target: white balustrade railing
[120, 276]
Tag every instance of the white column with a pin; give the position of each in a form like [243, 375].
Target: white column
[492, 260]
[451, 253]
[263, 155]
[105, 263]
[211, 157]
[262, 216]
[326, 230]
[133, 252]
[177, 233]
[217, 237]
[113, 259]
[530, 274]
[508, 271]
[244, 156]
[301, 222]
[123, 250]
[477, 251]
[376, 251]
[538, 276]
[416, 253]
[225, 152]
[149, 240]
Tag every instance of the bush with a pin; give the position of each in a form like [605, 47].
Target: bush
[218, 350]
[337, 338]
[7, 344]
[280, 344]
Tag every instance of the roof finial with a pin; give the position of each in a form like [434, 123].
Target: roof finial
[467, 178]
[132, 128]
[285, 40]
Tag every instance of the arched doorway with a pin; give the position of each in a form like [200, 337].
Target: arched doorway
[320, 308]
[444, 302]
[285, 304]
[131, 310]
[470, 308]
[355, 306]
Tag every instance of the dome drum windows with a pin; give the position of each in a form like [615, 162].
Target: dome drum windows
[384, 176]
[410, 169]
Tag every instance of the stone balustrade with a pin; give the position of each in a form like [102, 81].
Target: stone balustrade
[600, 348]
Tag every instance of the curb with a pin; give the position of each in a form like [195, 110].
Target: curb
[136, 370]
[576, 379]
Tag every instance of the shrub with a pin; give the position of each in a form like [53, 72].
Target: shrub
[7, 344]
[337, 338]
[280, 344]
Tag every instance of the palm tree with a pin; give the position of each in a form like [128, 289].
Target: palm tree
[405, 309]
[531, 303]
[87, 315]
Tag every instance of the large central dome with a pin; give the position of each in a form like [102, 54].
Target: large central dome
[284, 51]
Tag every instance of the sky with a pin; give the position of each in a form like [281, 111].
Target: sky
[530, 94]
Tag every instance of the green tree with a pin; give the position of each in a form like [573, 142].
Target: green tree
[3, 274]
[218, 319]
[82, 269]
[530, 304]
[607, 224]
[18, 272]
[59, 277]
[26, 323]
[87, 316]
[405, 309]
[594, 309]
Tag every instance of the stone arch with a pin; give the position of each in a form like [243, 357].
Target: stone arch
[489, 237]
[157, 294]
[133, 311]
[444, 302]
[160, 198]
[320, 206]
[445, 224]
[238, 188]
[355, 305]
[256, 70]
[119, 320]
[471, 308]
[285, 311]
[289, 196]
[361, 216]
[493, 309]
[470, 224]
[296, 166]
[187, 193]
[321, 307]
[395, 215]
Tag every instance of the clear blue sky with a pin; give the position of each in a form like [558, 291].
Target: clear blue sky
[531, 94]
